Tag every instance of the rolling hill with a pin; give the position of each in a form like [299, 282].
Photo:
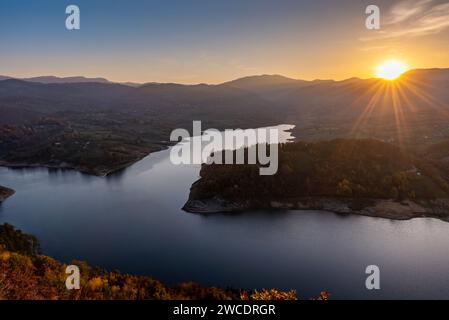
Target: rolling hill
[76, 124]
[414, 110]
[101, 127]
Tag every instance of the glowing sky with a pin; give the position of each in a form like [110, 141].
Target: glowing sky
[194, 41]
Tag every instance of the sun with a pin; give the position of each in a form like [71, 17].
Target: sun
[391, 69]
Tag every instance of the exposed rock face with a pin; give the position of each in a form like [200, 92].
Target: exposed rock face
[390, 209]
[215, 205]
[5, 193]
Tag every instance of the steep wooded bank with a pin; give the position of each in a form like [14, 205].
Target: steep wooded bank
[367, 177]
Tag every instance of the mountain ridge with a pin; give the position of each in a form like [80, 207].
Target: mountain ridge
[261, 79]
[102, 127]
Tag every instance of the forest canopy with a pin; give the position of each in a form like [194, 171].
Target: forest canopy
[339, 168]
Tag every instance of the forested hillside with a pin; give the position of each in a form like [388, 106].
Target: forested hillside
[344, 168]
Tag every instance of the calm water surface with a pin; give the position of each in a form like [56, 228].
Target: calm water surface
[132, 221]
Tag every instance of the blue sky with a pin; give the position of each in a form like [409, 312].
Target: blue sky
[209, 41]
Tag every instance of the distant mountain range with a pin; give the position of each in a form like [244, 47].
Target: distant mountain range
[286, 92]
[251, 83]
[261, 84]
[79, 79]
[38, 112]
[275, 96]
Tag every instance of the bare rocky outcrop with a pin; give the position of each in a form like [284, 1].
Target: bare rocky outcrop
[382, 208]
[5, 193]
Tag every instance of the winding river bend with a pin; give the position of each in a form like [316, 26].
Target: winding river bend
[132, 221]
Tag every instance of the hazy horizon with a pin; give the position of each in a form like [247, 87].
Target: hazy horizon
[198, 83]
[204, 42]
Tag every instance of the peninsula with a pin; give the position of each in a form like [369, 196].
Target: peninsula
[365, 177]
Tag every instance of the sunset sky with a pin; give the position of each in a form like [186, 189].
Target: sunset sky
[213, 41]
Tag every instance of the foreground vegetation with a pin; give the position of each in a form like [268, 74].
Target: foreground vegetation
[24, 274]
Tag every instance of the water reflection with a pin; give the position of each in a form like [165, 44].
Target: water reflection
[133, 222]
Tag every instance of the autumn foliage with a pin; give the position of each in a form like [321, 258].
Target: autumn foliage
[26, 275]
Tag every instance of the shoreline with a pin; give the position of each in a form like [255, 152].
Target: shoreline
[65, 166]
[5, 193]
[103, 171]
[99, 172]
[377, 208]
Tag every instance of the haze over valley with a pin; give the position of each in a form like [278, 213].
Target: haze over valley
[106, 156]
[100, 127]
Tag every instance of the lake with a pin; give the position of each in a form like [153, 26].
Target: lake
[132, 221]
